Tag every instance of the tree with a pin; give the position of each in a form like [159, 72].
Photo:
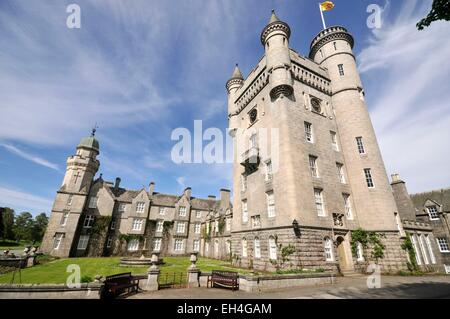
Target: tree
[2, 226]
[23, 226]
[39, 226]
[440, 10]
[8, 223]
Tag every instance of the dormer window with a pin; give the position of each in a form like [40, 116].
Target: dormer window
[315, 105]
[433, 212]
[253, 115]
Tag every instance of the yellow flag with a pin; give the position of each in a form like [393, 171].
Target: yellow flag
[326, 5]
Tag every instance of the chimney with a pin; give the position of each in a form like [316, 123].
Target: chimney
[212, 196]
[188, 192]
[151, 188]
[224, 197]
[117, 184]
[396, 178]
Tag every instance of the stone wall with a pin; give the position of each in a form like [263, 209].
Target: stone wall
[53, 291]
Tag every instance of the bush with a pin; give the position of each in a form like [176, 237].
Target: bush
[86, 279]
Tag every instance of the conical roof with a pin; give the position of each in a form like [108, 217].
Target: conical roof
[237, 73]
[273, 17]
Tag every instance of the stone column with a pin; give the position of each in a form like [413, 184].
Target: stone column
[153, 274]
[193, 272]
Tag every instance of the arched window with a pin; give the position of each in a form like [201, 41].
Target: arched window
[257, 248]
[328, 247]
[315, 105]
[244, 247]
[272, 248]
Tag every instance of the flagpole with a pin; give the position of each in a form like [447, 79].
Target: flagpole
[321, 14]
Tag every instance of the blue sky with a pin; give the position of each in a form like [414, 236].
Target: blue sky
[143, 68]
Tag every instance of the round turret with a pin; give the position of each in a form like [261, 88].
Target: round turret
[236, 80]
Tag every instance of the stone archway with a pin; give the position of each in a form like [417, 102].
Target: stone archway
[344, 254]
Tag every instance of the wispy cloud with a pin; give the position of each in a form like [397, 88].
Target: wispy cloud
[20, 200]
[30, 157]
[410, 105]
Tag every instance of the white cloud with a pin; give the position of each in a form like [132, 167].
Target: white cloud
[33, 158]
[21, 201]
[408, 72]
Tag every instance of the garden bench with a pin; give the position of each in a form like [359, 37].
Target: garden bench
[223, 279]
[115, 285]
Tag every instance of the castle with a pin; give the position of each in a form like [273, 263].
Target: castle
[298, 194]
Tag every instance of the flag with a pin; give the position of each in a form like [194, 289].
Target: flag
[326, 5]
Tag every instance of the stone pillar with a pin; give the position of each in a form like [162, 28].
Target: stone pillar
[193, 272]
[153, 274]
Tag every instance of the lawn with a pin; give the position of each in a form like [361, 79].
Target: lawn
[55, 271]
[7, 244]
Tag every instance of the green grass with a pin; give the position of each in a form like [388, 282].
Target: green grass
[6, 244]
[54, 271]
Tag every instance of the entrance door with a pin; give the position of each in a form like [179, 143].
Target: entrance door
[342, 253]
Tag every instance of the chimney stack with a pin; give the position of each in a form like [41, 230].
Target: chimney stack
[188, 192]
[117, 184]
[396, 178]
[151, 188]
[224, 197]
[212, 196]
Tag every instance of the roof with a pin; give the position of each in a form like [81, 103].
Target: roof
[89, 142]
[273, 17]
[237, 73]
[441, 196]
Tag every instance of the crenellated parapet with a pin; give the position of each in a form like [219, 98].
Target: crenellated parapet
[249, 92]
[329, 34]
[302, 74]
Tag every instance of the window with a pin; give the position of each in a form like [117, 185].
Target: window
[228, 247]
[422, 249]
[228, 224]
[69, 200]
[315, 104]
[157, 244]
[159, 226]
[207, 227]
[122, 207]
[253, 141]
[178, 246]
[257, 248]
[244, 247]
[270, 204]
[93, 202]
[256, 221]
[57, 240]
[244, 182]
[416, 249]
[216, 226]
[341, 69]
[334, 44]
[181, 227]
[359, 252]
[328, 246]
[319, 202]
[140, 207]
[244, 211]
[83, 242]
[137, 224]
[268, 170]
[113, 223]
[433, 212]
[89, 221]
[197, 227]
[133, 245]
[368, 175]
[109, 242]
[360, 145]
[309, 132]
[253, 115]
[341, 174]
[443, 245]
[162, 210]
[272, 248]
[347, 206]
[196, 245]
[182, 211]
[430, 249]
[334, 142]
[447, 269]
[198, 214]
[64, 218]
[313, 166]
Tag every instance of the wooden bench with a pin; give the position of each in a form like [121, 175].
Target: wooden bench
[223, 279]
[115, 285]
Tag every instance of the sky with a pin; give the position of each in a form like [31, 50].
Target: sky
[140, 69]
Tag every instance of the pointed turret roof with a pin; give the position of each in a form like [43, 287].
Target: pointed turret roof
[237, 73]
[273, 17]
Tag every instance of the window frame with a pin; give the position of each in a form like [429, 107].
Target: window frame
[369, 178]
[328, 249]
[309, 132]
[270, 202]
[82, 244]
[318, 194]
[244, 206]
[360, 145]
[140, 207]
[431, 214]
[257, 247]
[314, 166]
[89, 221]
[443, 242]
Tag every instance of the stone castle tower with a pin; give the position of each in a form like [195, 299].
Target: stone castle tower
[308, 169]
[71, 198]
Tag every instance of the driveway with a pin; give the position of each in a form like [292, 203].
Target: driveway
[344, 288]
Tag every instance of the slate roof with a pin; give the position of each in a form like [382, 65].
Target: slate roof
[441, 196]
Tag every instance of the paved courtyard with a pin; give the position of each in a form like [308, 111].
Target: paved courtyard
[349, 287]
